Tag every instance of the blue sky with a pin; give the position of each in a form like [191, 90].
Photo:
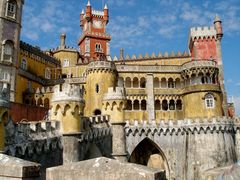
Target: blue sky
[140, 27]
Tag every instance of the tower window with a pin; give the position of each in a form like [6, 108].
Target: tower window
[24, 64]
[97, 88]
[209, 101]
[98, 47]
[7, 52]
[11, 8]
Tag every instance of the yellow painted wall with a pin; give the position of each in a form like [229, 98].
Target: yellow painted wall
[194, 106]
[104, 79]
[69, 115]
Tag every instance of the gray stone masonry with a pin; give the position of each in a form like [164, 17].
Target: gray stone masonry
[12, 168]
[103, 169]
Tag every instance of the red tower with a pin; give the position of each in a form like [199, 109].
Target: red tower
[94, 42]
[203, 41]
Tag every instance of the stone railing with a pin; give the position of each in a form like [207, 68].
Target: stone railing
[76, 80]
[115, 94]
[199, 63]
[148, 69]
[181, 127]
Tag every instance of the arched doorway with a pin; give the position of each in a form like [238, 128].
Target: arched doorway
[148, 153]
[97, 112]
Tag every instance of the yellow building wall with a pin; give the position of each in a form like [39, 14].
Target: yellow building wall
[69, 115]
[194, 106]
[104, 79]
[35, 67]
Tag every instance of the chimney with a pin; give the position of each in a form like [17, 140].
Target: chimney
[62, 38]
[121, 54]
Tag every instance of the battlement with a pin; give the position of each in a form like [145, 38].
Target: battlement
[197, 32]
[160, 55]
[4, 94]
[67, 92]
[99, 119]
[101, 65]
[31, 128]
[199, 63]
[98, 13]
[44, 90]
[30, 137]
[117, 93]
[182, 126]
[38, 53]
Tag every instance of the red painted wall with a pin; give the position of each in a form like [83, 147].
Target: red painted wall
[31, 113]
[204, 48]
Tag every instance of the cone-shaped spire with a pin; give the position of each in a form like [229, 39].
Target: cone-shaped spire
[88, 4]
[105, 7]
[82, 11]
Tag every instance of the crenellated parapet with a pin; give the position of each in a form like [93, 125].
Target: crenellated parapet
[202, 32]
[105, 66]
[147, 56]
[99, 128]
[28, 138]
[117, 93]
[180, 127]
[67, 92]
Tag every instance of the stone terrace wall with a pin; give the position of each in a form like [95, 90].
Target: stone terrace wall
[190, 146]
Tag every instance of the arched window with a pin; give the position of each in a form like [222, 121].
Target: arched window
[136, 105]
[163, 83]
[179, 105]
[144, 105]
[178, 83]
[11, 8]
[157, 105]
[39, 102]
[24, 64]
[128, 82]
[135, 82]
[142, 82]
[164, 105]
[209, 101]
[170, 83]
[156, 83]
[47, 73]
[129, 105]
[66, 63]
[7, 51]
[98, 47]
[171, 105]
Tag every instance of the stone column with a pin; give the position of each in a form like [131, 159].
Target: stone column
[119, 142]
[150, 99]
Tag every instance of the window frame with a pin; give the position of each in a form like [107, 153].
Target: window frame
[209, 101]
[11, 9]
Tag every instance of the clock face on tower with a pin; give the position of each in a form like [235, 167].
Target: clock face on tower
[97, 24]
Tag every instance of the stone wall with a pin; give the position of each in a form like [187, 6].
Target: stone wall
[187, 147]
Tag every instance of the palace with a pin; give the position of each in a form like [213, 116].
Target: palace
[166, 110]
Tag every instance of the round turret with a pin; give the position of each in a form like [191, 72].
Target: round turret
[67, 107]
[114, 102]
[100, 76]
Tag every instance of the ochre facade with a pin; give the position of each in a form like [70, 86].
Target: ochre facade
[151, 87]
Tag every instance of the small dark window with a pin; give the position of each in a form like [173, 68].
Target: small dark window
[97, 88]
